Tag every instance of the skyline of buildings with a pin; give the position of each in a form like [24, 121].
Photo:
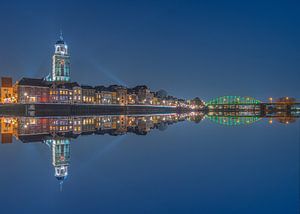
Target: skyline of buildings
[58, 88]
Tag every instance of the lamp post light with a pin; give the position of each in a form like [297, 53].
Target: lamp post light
[271, 100]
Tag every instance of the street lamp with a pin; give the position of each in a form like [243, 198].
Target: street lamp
[271, 99]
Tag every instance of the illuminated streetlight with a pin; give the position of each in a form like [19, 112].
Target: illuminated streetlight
[271, 99]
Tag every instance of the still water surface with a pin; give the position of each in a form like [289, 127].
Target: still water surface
[187, 163]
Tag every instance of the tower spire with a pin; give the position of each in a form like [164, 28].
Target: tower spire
[61, 35]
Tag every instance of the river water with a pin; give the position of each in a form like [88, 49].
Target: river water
[190, 163]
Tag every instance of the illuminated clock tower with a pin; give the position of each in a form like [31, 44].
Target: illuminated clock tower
[60, 62]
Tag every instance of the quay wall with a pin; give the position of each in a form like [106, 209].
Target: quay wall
[81, 109]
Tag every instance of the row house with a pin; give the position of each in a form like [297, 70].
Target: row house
[88, 94]
[60, 94]
[155, 101]
[104, 96]
[29, 90]
[131, 98]
[113, 94]
[144, 95]
[77, 94]
[120, 94]
[65, 93]
[6, 92]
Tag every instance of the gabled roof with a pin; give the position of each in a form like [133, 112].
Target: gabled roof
[116, 87]
[100, 88]
[139, 87]
[68, 85]
[33, 82]
[86, 87]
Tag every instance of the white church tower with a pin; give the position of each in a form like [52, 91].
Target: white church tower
[60, 62]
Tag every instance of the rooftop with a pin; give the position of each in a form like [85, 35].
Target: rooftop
[33, 82]
[68, 85]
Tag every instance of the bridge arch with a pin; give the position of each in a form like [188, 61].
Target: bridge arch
[233, 100]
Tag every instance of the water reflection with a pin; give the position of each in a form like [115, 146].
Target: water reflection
[235, 118]
[58, 132]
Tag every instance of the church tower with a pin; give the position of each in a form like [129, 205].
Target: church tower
[60, 62]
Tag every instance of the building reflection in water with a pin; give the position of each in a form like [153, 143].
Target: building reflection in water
[58, 132]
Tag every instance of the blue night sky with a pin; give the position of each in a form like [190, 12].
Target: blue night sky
[189, 48]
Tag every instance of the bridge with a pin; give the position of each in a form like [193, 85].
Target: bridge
[233, 100]
[246, 103]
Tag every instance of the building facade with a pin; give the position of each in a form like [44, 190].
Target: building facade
[6, 92]
[29, 90]
[65, 93]
[144, 95]
[88, 94]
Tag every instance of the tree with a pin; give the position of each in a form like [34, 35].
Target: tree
[161, 94]
[197, 101]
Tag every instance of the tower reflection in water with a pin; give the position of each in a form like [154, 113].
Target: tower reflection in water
[60, 157]
[58, 132]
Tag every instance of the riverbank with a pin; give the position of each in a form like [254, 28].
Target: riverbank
[82, 109]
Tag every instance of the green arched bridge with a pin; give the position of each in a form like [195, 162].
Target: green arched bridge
[233, 100]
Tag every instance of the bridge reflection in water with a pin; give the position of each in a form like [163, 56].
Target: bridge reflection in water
[232, 118]
[58, 132]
